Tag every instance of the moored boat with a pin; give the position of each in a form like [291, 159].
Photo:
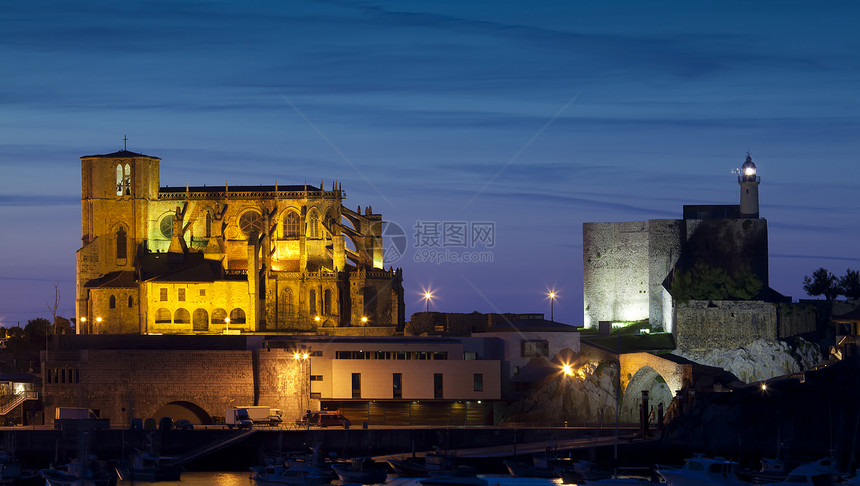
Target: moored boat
[702, 471]
[361, 471]
[460, 476]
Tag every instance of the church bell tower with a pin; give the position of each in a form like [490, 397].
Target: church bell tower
[749, 182]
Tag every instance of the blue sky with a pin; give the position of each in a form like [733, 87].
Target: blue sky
[537, 116]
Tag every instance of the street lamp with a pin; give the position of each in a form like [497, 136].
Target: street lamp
[428, 296]
[363, 320]
[227, 323]
[303, 357]
[551, 296]
[98, 323]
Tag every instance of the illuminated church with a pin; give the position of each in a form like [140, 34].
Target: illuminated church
[209, 260]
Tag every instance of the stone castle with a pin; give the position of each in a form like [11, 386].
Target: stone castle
[209, 260]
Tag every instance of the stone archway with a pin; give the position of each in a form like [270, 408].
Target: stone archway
[183, 410]
[645, 379]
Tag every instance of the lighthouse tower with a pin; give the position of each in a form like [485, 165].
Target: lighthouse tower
[749, 182]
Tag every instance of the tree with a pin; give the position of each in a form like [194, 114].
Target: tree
[704, 282]
[821, 282]
[849, 284]
[36, 330]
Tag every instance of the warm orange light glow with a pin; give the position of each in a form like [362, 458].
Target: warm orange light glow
[98, 319]
[305, 356]
[83, 319]
[568, 371]
[295, 355]
[363, 319]
[317, 318]
[764, 387]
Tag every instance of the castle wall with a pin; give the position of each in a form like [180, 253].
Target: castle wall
[793, 319]
[615, 271]
[143, 381]
[665, 243]
[702, 325]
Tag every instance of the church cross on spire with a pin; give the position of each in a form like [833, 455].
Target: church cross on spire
[124, 140]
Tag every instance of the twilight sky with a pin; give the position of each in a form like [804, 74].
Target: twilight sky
[537, 116]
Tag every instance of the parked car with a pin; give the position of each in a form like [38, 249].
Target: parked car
[183, 424]
[328, 417]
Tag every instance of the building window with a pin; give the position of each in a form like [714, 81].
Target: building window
[181, 316]
[438, 385]
[119, 180]
[251, 223]
[237, 316]
[207, 229]
[166, 226]
[127, 180]
[77, 376]
[535, 348]
[479, 381]
[312, 301]
[291, 225]
[398, 385]
[130, 301]
[180, 295]
[327, 302]
[162, 316]
[313, 224]
[356, 385]
[202, 292]
[112, 302]
[162, 294]
[121, 244]
[286, 304]
[218, 316]
[316, 377]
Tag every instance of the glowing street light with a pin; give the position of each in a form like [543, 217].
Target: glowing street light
[227, 323]
[551, 295]
[363, 320]
[428, 296]
[567, 370]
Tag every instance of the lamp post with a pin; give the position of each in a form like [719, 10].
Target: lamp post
[302, 357]
[83, 326]
[551, 296]
[98, 323]
[428, 296]
[227, 323]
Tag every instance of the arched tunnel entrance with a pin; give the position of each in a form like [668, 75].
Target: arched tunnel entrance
[646, 379]
[183, 410]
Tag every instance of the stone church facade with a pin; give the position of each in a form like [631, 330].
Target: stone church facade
[208, 260]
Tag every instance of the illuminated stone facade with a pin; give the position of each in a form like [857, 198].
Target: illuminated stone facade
[203, 260]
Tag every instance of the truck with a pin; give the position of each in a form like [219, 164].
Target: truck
[237, 417]
[256, 414]
[75, 413]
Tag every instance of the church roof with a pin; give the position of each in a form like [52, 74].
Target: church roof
[119, 154]
[114, 280]
[232, 188]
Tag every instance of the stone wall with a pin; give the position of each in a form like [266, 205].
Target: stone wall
[454, 324]
[143, 381]
[723, 324]
[615, 271]
[283, 382]
[793, 319]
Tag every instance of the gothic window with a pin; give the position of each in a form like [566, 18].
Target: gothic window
[313, 224]
[121, 244]
[291, 225]
[181, 316]
[201, 320]
[207, 230]
[162, 316]
[327, 302]
[112, 302]
[312, 301]
[119, 180]
[130, 301]
[218, 316]
[286, 303]
[237, 316]
[166, 226]
[251, 223]
[127, 180]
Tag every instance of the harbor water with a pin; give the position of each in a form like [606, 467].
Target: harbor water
[243, 478]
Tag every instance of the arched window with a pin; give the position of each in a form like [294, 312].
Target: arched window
[313, 224]
[119, 180]
[112, 302]
[121, 244]
[162, 316]
[251, 223]
[312, 301]
[218, 316]
[237, 316]
[130, 301]
[127, 180]
[181, 316]
[207, 230]
[286, 303]
[291, 225]
[201, 320]
[327, 302]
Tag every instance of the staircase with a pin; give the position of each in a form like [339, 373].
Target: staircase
[10, 402]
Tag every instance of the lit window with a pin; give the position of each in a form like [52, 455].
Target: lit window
[291, 225]
[119, 180]
[127, 180]
[162, 294]
[313, 224]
